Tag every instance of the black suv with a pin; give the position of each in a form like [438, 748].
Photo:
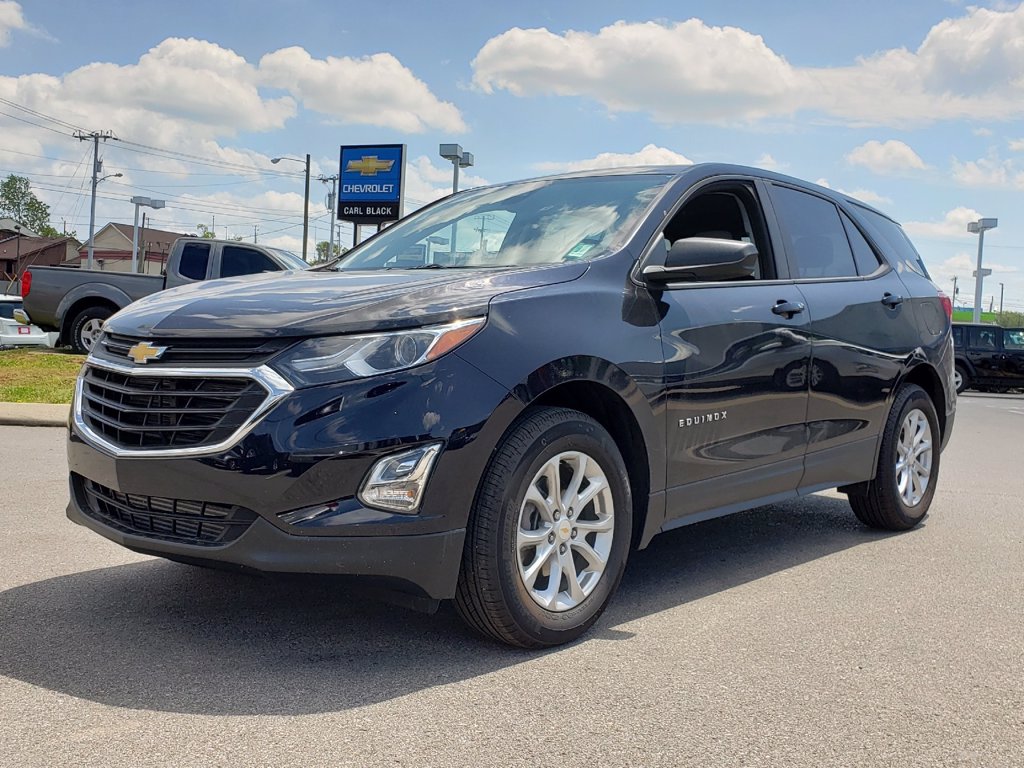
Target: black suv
[496, 398]
[988, 357]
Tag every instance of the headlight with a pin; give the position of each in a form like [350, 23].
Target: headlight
[338, 358]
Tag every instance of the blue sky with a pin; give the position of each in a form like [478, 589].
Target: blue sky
[915, 106]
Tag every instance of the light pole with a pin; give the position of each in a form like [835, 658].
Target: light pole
[140, 201]
[459, 158]
[305, 210]
[332, 203]
[92, 210]
[979, 227]
[1001, 302]
[955, 289]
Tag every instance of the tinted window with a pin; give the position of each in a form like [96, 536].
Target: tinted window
[236, 261]
[982, 338]
[890, 236]
[194, 259]
[815, 237]
[863, 254]
[7, 309]
[1013, 338]
[958, 336]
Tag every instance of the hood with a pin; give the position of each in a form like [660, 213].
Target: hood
[311, 303]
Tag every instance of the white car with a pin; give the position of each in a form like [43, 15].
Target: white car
[14, 334]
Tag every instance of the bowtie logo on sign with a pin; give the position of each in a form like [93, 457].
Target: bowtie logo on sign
[369, 165]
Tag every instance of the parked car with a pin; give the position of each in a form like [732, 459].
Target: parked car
[583, 361]
[988, 357]
[15, 334]
[75, 302]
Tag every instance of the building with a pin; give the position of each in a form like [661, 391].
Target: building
[113, 249]
[19, 251]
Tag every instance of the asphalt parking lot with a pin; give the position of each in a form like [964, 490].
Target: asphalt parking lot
[788, 635]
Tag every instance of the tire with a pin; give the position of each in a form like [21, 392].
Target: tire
[85, 328]
[882, 502]
[961, 377]
[503, 590]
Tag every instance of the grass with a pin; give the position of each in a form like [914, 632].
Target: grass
[36, 376]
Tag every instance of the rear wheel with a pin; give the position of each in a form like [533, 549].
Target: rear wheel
[961, 378]
[549, 534]
[86, 328]
[899, 495]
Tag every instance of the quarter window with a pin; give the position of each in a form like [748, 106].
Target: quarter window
[1013, 339]
[815, 237]
[194, 259]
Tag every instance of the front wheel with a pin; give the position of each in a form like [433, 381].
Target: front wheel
[898, 496]
[549, 533]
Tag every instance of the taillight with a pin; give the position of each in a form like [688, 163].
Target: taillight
[947, 304]
[26, 283]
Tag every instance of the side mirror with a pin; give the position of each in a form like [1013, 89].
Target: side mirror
[707, 259]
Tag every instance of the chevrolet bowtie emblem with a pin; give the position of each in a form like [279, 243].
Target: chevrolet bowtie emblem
[143, 352]
[369, 165]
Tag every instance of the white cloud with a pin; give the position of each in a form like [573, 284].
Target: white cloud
[953, 224]
[886, 157]
[1017, 145]
[11, 19]
[988, 171]
[648, 155]
[769, 163]
[965, 68]
[426, 182]
[983, 132]
[373, 90]
[864, 195]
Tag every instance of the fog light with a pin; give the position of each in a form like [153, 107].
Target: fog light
[396, 482]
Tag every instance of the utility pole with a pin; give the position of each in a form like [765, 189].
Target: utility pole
[1000, 301]
[332, 200]
[255, 233]
[97, 164]
[954, 290]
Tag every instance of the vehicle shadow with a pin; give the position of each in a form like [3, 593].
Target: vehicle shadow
[162, 636]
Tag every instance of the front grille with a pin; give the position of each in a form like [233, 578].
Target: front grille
[202, 523]
[167, 411]
[194, 351]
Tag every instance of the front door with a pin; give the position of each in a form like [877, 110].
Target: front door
[736, 366]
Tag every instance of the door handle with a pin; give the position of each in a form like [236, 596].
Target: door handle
[788, 308]
[892, 301]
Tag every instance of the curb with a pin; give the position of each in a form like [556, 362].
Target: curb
[33, 415]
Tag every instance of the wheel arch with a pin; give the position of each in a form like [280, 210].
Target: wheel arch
[613, 399]
[928, 379]
[86, 296]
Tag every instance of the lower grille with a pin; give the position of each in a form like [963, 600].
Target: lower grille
[202, 523]
[160, 411]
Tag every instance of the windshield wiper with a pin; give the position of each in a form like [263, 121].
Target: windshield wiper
[433, 266]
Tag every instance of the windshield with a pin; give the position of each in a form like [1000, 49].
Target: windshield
[289, 259]
[533, 222]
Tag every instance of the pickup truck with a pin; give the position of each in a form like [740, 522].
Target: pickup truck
[76, 302]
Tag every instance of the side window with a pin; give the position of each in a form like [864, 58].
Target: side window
[958, 336]
[236, 260]
[195, 257]
[1013, 339]
[863, 254]
[815, 237]
[982, 338]
[726, 213]
[890, 236]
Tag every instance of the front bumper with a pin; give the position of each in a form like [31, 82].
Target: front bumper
[429, 563]
[314, 448]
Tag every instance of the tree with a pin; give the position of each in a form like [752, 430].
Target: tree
[322, 248]
[18, 202]
[205, 231]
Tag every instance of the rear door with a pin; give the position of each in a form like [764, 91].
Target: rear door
[862, 330]
[736, 356]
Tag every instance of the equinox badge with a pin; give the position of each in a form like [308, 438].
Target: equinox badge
[143, 352]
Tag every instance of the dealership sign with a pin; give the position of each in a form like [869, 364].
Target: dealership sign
[371, 183]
